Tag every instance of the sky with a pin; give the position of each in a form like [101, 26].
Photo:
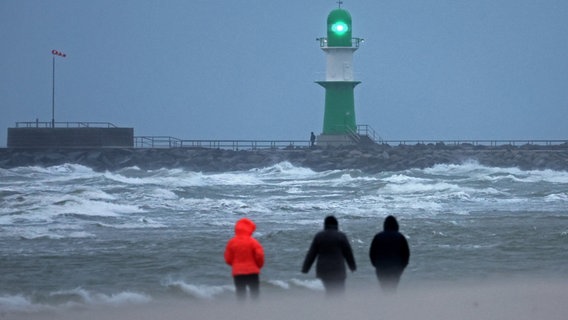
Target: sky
[218, 69]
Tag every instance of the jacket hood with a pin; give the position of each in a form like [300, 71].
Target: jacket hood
[330, 222]
[244, 227]
[390, 224]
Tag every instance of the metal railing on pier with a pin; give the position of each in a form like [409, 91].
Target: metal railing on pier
[171, 142]
[49, 124]
[156, 142]
[491, 143]
[366, 130]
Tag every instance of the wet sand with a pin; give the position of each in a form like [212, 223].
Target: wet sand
[518, 300]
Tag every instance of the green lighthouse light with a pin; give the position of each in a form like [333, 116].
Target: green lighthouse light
[339, 28]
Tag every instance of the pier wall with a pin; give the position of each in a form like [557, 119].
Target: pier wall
[70, 137]
[378, 158]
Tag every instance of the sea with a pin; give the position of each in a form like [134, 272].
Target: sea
[72, 237]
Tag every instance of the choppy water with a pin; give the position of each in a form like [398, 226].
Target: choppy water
[72, 236]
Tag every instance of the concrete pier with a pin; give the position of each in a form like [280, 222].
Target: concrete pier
[374, 159]
[70, 137]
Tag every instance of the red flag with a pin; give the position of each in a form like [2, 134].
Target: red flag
[57, 53]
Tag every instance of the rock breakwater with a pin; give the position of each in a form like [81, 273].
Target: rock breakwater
[376, 158]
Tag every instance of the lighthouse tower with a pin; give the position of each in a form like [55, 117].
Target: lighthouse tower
[339, 126]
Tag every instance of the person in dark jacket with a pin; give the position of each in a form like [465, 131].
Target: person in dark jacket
[389, 254]
[332, 250]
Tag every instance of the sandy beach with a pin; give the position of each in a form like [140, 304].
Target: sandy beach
[518, 300]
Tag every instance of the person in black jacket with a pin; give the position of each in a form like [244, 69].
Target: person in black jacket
[332, 250]
[389, 254]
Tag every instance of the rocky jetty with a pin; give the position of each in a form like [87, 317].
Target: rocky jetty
[371, 159]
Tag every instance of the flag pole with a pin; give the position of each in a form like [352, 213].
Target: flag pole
[53, 94]
[61, 54]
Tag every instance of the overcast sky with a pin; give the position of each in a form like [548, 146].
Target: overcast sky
[218, 69]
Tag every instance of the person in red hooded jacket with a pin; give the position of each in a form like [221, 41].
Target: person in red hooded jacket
[246, 257]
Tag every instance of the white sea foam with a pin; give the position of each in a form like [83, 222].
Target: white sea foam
[468, 167]
[164, 194]
[61, 300]
[82, 296]
[279, 283]
[284, 170]
[17, 303]
[294, 190]
[314, 284]
[206, 206]
[86, 207]
[419, 188]
[177, 178]
[232, 179]
[404, 179]
[31, 234]
[474, 170]
[96, 194]
[561, 197]
[140, 223]
[122, 298]
[198, 291]
[126, 180]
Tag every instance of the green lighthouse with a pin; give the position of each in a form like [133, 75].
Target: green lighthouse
[339, 125]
